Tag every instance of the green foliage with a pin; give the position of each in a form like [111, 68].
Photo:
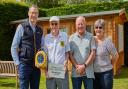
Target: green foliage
[10, 12]
[87, 8]
[44, 3]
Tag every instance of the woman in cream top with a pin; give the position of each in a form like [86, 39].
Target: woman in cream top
[106, 56]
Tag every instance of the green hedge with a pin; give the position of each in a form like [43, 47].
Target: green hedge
[87, 8]
[10, 12]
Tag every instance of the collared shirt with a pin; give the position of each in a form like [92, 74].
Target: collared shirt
[57, 47]
[81, 49]
[33, 27]
[16, 41]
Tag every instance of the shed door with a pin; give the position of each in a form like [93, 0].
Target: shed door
[126, 43]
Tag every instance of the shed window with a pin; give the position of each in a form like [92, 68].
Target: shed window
[90, 28]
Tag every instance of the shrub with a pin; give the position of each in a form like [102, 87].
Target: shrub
[87, 8]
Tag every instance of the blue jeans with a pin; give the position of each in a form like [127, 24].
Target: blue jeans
[103, 80]
[77, 82]
[29, 76]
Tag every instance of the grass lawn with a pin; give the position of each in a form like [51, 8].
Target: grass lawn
[120, 81]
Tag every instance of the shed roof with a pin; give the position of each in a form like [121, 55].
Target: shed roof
[93, 14]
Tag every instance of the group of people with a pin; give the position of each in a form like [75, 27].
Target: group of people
[92, 57]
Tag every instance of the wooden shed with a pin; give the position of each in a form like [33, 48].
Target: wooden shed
[114, 27]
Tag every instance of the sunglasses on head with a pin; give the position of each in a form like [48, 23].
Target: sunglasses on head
[98, 27]
[54, 23]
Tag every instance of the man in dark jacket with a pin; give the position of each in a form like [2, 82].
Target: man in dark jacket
[26, 42]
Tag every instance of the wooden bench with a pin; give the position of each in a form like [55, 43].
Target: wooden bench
[8, 69]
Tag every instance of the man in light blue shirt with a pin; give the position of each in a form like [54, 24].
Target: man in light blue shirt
[82, 53]
[58, 47]
[26, 42]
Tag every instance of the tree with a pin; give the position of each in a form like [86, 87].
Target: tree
[56, 3]
[74, 1]
[43, 3]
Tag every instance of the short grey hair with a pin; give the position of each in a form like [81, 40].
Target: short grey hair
[99, 22]
[33, 5]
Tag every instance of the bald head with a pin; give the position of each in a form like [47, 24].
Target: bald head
[81, 18]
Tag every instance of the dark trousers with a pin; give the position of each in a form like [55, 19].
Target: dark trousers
[104, 80]
[29, 76]
[57, 83]
[77, 82]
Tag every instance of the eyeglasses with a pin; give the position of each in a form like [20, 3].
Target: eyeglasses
[98, 27]
[54, 24]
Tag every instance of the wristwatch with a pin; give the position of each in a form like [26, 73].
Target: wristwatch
[85, 65]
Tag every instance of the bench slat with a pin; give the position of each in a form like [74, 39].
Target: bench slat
[8, 69]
